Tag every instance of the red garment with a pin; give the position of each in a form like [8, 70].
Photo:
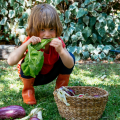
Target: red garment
[49, 59]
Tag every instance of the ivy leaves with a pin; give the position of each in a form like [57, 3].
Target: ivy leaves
[83, 25]
[81, 12]
[96, 53]
[89, 25]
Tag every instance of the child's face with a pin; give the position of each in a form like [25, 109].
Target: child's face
[47, 33]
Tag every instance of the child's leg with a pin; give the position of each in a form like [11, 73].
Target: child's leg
[59, 70]
[28, 92]
[63, 77]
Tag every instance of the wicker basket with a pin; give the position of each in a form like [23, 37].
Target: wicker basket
[83, 108]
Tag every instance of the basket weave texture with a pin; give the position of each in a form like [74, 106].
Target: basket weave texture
[83, 108]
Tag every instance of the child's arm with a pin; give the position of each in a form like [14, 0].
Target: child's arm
[63, 53]
[18, 53]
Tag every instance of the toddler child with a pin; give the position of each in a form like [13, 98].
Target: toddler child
[44, 23]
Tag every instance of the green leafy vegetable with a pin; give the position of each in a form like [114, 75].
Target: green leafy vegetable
[34, 59]
[41, 44]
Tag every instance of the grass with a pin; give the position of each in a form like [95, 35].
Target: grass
[105, 76]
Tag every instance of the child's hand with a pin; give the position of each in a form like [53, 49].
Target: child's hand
[34, 40]
[57, 44]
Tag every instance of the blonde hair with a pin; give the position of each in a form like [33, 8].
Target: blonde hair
[43, 16]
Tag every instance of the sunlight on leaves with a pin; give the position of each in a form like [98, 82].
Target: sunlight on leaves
[1, 103]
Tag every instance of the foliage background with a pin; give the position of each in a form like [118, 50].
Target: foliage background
[90, 27]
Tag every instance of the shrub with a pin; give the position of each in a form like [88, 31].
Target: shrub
[90, 28]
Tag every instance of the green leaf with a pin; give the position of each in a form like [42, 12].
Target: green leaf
[11, 13]
[118, 29]
[102, 56]
[79, 35]
[77, 57]
[94, 13]
[75, 11]
[48, 1]
[96, 51]
[29, 2]
[33, 62]
[100, 47]
[11, 2]
[113, 33]
[75, 4]
[79, 50]
[74, 38]
[64, 26]
[71, 29]
[80, 20]
[86, 20]
[7, 39]
[72, 7]
[109, 39]
[106, 49]
[66, 35]
[110, 24]
[5, 4]
[110, 58]
[87, 2]
[94, 56]
[86, 32]
[97, 6]
[61, 17]
[16, 41]
[4, 11]
[16, 5]
[79, 27]
[97, 25]
[104, 15]
[90, 7]
[109, 17]
[67, 15]
[3, 21]
[41, 44]
[22, 2]
[34, 59]
[92, 21]
[101, 31]
[83, 5]
[91, 48]
[72, 24]
[85, 47]
[101, 19]
[94, 37]
[85, 54]
[19, 10]
[72, 49]
[1, 37]
[81, 12]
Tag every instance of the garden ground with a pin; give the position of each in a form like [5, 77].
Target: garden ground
[105, 75]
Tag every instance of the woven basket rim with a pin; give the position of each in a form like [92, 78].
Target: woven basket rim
[85, 107]
[86, 97]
